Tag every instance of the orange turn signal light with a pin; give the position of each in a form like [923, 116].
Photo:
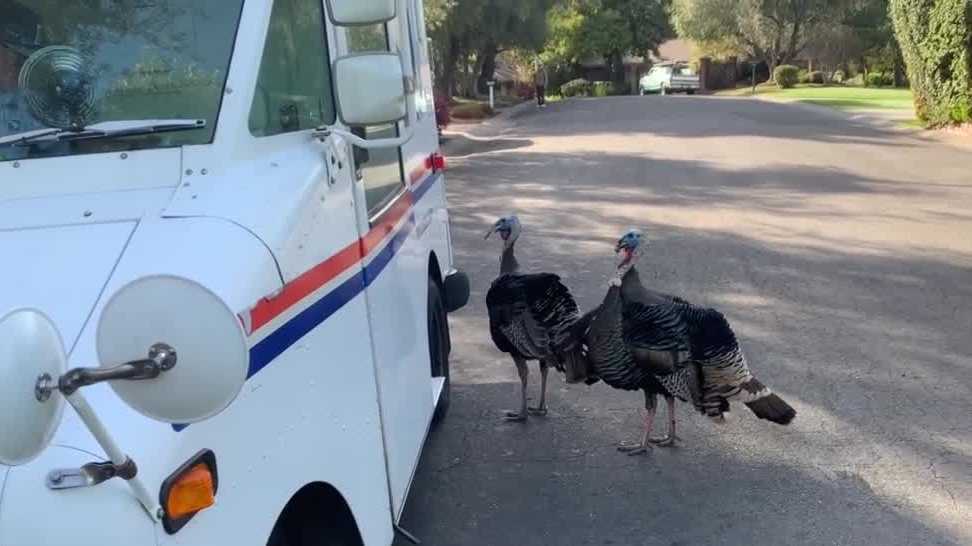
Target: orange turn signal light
[189, 490]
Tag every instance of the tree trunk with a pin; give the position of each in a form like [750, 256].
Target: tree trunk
[616, 66]
[487, 69]
[450, 67]
[899, 72]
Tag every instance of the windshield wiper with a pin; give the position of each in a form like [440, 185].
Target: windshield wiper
[107, 129]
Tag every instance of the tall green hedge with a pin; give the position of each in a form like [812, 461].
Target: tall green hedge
[936, 39]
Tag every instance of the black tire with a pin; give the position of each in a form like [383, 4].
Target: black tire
[690, 92]
[440, 345]
[314, 529]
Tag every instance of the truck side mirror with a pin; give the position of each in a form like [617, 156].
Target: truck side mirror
[360, 12]
[370, 89]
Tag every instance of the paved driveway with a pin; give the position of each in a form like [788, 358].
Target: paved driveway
[842, 255]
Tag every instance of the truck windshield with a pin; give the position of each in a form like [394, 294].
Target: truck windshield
[73, 64]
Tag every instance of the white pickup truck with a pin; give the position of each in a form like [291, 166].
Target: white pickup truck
[670, 77]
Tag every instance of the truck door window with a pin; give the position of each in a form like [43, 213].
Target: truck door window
[381, 173]
[416, 36]
[293, 90]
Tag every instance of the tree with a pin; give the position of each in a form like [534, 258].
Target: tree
[609, 29]
[773, 31]
[469, 34]
[505, 25]
[864, 36]
[936, 40]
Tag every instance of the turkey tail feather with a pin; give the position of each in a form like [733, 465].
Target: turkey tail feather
[767, 405]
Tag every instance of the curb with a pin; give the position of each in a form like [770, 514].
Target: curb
[450, 144]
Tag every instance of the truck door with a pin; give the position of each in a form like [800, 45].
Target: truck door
[396, 276]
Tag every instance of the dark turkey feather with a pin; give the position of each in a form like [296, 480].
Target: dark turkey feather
[705, 353]
[643, 340]
[656, 335]
[609, 357]
[530, 315]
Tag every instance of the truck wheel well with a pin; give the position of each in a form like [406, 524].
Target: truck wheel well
[317, 515]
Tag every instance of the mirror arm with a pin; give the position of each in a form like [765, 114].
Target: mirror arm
[123, 466]
[324, 132]
[161, 358]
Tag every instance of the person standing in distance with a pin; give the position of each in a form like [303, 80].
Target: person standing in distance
[540, 80]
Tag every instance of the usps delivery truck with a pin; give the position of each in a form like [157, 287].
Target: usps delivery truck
[226, 270]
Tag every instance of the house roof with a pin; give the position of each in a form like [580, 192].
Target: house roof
[672, 50]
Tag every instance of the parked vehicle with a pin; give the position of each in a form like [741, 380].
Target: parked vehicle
[670, 77]
[229, 253]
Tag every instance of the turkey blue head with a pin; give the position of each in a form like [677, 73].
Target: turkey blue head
[508, 228]
[628, 249]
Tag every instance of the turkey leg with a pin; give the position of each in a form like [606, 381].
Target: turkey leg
[642, 447]
[521, 368]
[541, 409]
[668, 441]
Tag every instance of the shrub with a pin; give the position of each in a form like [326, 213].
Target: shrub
[603, 89]
[786, 76]
[442, 116]
[472, 110]
[857, 80]
[838, 77]
[936, 41]
[803, 76]
[576, 88]
[817, 77]
[874, 79]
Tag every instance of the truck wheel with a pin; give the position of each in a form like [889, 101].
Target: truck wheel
[439, 347]
[690, 92]
[310, 534]
[314, 520]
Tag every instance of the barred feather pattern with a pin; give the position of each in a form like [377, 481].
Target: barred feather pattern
[725, 372]
[531, 315]
[703, 338]
[611, 359]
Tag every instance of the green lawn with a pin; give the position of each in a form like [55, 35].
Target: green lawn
[839, 97]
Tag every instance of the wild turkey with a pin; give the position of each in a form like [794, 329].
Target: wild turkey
[643, 340]
[530, 316]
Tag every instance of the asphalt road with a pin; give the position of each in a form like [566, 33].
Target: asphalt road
[840, 252]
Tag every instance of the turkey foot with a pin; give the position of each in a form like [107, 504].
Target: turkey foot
[667, 441]
[633, 449]
[539, 411]
[515, 416]
[520, 416]
[670, 439]
[642, 447]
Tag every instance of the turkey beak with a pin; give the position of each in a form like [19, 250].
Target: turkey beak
[492, 230]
